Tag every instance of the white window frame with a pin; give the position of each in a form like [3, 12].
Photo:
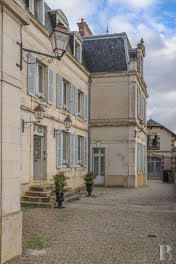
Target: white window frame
[80, 103]
[80, 150]
[65, 162]
[37, 92]
[66, 106]
[76, 41]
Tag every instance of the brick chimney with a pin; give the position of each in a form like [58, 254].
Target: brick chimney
[84, 28]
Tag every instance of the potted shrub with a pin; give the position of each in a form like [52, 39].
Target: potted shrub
[89, 181]
[60, 182]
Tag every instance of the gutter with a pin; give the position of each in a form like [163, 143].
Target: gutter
[89, 103]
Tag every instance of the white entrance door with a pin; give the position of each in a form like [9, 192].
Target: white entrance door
[39, 153]
[99, 165]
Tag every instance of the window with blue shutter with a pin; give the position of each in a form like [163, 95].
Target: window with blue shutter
[32, 72]
[59, 150]
[72, 150]
[85, 106]
[76, 151]
[76, 101]
[41, 13]
[72, 99]
[85, 152]
[50, 85]
[59, 91]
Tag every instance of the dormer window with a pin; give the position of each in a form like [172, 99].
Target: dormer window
[77, 48]
[36, 7]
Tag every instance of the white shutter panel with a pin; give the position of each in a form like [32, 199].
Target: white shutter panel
[50, 85]
[32, 72]
[79, 53]
[85, 106]
[76, 101]
[72, 99]
[59, 91]
[59, 140]
[72, 150]
[41, 11]
[85, 152]
[76, 150]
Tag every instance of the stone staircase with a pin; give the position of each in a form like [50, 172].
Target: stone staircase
[40, 196]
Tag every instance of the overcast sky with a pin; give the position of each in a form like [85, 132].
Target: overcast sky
[155, 21]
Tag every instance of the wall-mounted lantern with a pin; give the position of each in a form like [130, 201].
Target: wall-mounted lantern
[59, 39]
[39, 115]
[142, 126]
[67, 123]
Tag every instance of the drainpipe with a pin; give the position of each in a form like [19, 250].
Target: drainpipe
[89, 103]
[1, 131]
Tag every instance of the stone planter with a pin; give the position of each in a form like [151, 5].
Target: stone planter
[89, 188]
[60, 199]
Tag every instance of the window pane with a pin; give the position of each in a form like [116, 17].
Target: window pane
[102, 151]
[40, 78]
[79, 148]
[96, 165]
[65, 93]
[102, 170]
[96, 150]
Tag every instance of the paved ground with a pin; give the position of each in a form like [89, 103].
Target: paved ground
[115, 226]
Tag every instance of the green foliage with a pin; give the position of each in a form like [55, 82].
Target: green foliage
[60, 182]
[152, 236]
[27, 208]
[89, 177]
[35, 243]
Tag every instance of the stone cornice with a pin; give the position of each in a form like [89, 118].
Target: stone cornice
[17, 10]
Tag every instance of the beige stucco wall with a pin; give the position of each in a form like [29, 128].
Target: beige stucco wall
[35, 36]
[113, 117]
[11, 15]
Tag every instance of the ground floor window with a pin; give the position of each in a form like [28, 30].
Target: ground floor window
[71, 150]
[141, 157]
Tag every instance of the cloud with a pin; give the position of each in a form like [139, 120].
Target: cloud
[134, 3]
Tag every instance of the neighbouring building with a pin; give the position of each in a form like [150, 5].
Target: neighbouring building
[117, 116]
[161, 149]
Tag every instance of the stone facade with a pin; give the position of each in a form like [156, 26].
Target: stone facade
[164, 147]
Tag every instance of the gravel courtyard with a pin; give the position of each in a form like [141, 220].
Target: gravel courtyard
[116, 225]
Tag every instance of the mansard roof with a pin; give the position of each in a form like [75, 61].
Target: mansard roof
[106, 53]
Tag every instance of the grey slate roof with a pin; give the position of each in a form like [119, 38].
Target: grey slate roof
[153, 123]
[105, 53]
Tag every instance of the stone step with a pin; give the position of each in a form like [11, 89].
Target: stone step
[35, 199]
[37, 194]
[51, 204]
[41, 188]
[37, 204]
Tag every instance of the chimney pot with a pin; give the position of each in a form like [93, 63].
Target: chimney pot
[84, 28]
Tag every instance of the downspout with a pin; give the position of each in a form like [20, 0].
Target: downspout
[1, 131]
[89, 103]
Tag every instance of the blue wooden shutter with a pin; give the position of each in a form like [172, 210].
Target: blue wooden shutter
[50, 85]
[76, 101]
[85, 152]
[31, 6]
[72, 99]
[76, 150]
[32, 72]
[72, 150]
[41, 15]
[59, 91]
[85, 106]
[59, 149]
